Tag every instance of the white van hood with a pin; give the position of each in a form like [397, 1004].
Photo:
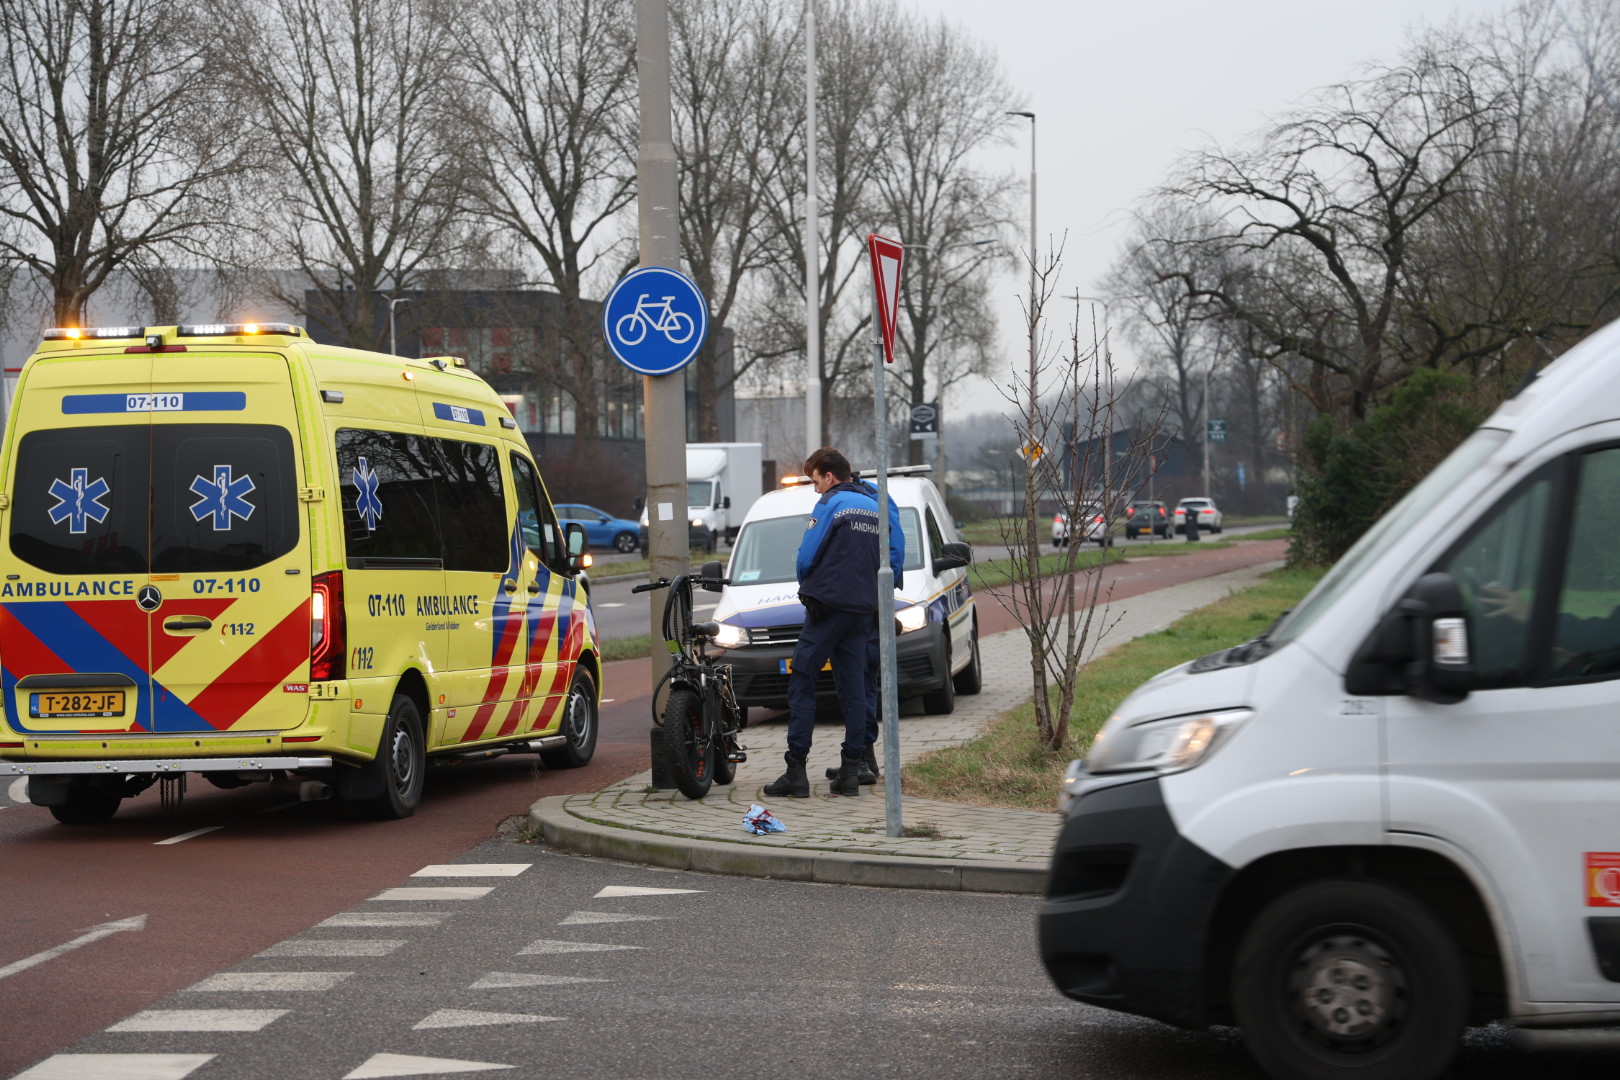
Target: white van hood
[760, 605]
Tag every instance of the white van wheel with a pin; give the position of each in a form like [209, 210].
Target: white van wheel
[970, 678]
[1348, 977]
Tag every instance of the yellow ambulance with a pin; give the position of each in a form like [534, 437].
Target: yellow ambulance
[233, 552]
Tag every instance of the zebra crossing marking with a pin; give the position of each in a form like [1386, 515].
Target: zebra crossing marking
[639, 890]
[458, 1018]
[386, 918]
[116, 1067]
[545, 947]
[507, 980]
[334, 947]
[200, 1020]
[273, 981]
[585, 918]
[435, 892]
[379, 1065]
[473, 870]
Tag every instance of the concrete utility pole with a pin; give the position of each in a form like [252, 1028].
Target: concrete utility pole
[663, 396]
[812, 245]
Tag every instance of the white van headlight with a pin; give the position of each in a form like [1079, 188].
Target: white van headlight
[912, 618]
[697, 523]
[1165, 745]
[730, 636]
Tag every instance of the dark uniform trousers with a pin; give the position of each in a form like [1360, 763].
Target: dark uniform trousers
[841, 636]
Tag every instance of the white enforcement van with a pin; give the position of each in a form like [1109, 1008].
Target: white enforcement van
[937, 629]
[235, 552]
[1397, 812]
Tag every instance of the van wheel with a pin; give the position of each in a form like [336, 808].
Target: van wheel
[1347, 978]
[399, 765]
[625, 543]
[969, 679]
[87, 804]
[579, 724]
[941, 702]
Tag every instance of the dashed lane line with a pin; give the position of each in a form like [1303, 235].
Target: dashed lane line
[473, 870]
[585, 918]
[334, 947]
[380, 1065]
[385, 918]
[273, 981]
[200, 1020]
[116, 1067]
[189, 835]
[506, 980]
[545, 947]
[95, 933]
[458, 1018]
[639, 890]
[435, 892]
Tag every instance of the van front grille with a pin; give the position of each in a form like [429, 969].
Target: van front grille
[775, 635]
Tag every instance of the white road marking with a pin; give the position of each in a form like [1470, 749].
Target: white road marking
[546, 947]
[608, 700]
[189, 835]
[435, 892]
[585, 918]
[615, 603]
[454, 1018]
[638, 890]
[18, 791]
[116, 1067]
[505, 980]
[386, 918]
[488, 869]
[404, 1065]
[280, 806]
[247, 981]
[335, 947]
[95, 933]
[200, 1020]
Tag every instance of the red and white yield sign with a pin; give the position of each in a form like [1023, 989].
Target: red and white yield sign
[886, 258]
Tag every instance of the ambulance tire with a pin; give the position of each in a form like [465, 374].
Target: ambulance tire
[579, 724]
[1362, 949]
[87, 804]
[688, 743]
[399, 765]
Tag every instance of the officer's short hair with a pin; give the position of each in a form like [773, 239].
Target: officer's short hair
[828, 460]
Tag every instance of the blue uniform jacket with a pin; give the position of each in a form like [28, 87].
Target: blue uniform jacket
[838, 557]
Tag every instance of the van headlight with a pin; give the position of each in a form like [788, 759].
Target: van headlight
[1165, 745]
[730, 636]
[911, 618]
[697, 523]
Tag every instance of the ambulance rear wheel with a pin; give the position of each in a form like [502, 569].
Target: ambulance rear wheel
[87, 804]
[400, 763]
[1350, 978]
[578, 725]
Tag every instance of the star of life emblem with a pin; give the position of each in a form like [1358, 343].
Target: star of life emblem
[78, 500]
[366, 503]
[222, 498]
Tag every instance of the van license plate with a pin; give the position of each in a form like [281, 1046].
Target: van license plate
[78, 703]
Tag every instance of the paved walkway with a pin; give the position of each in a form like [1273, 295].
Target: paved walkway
[835, 839]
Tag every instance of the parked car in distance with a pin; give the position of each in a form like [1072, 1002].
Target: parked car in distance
[1209, 516]
[602, 529]
[1144, 516]
[1060, 529]
[1092, 518]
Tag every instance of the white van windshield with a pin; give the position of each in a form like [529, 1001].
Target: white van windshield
[697, 493]
[767, 548]
[1348, 572]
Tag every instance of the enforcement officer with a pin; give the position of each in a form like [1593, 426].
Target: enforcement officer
[870, 773]
[837, 568]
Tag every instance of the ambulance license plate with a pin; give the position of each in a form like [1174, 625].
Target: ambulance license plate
[787, 666]
[76, 703]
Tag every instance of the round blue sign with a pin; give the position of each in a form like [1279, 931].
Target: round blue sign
[655, 320]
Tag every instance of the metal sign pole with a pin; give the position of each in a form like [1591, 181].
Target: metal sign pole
[889, 687]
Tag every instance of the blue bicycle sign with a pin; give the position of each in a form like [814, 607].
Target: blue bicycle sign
[655, 320]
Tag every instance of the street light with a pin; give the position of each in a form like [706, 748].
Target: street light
[392, 301]
[1033, 242]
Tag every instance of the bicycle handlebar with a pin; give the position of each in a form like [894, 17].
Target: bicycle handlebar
[661, 583]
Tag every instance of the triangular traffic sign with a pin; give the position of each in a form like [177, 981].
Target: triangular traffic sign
[886, 255]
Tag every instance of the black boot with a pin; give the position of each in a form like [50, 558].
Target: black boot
[870, 774]
[848, 780]
[794, 783]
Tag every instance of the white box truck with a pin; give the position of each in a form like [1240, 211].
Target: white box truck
[722, 483]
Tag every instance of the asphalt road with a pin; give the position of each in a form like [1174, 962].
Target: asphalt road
[552, 966]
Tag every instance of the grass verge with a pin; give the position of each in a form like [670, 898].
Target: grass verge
[1007, 766]
[627, 648]
[993, 572]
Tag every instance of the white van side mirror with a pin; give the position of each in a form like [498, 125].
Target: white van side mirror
[952, 557]
[1420, 647]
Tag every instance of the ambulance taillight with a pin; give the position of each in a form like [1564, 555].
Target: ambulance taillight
[328, 645]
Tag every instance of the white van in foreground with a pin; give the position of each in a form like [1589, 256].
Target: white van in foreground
[937, 642]
[1396, 813]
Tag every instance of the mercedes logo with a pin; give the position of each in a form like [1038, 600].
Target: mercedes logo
[148, 598]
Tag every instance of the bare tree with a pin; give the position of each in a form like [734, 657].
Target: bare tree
[361, 195]
[738, 109]
[549, 101]
[948, 101]
[115, 137]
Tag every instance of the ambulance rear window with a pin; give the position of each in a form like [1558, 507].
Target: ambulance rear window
[78, 505]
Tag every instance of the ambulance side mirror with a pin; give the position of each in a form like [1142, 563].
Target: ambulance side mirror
[952, 557]
[1420, 647]
[574, 541]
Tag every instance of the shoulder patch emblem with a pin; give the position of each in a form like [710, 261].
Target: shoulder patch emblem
[811, 525]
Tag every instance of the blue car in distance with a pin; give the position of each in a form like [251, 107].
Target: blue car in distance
[602, 529]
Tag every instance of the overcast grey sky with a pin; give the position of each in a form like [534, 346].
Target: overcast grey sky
[1121, 90]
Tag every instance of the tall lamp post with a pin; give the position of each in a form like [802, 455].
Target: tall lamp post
[1034, 243]
[394, 301]
[1108, 426]
[812, 245]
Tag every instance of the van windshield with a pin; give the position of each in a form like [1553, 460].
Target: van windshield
[767, 548]
[1349, 570]
[697, 492]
